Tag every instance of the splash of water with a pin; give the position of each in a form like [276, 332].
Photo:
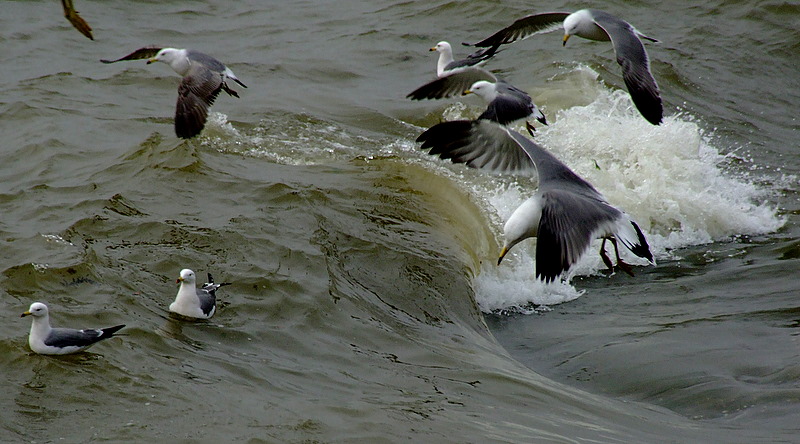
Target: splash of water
[670, 178]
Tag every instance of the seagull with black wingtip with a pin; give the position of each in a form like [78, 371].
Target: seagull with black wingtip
[46, 340]
[193, 302]
[203, 79]
[593, 24]
[565, 213]
[505, 102]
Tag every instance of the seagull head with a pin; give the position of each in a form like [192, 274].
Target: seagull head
[578, 23]
[483, 89]
[522, 224]
[36, 309]
[442, 47]
[187, 276]
[166, 55]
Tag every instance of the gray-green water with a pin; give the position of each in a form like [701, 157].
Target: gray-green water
[365, 305]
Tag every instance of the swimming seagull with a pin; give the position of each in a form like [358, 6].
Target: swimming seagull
[203, 78]
[195, 302]
[447, 64]
[601, 26]
[46, 340]
[455, 77]
[564, 214]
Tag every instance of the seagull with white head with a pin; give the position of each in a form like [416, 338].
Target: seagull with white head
[506, 103]
[46, 340]
[593, 24]
[447, 65]
[193, 302]
[203, 79]
[565, 213]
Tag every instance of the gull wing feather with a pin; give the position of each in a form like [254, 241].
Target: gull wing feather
[452, 84]
[524, 28]
[479, 144]
[635, 64]
[141, 53]
[197, 91]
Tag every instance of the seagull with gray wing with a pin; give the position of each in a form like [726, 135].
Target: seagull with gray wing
[596, 25]
[506, 103]
[194, 302]
[447, 65]
[565, 213]
[203, 79]
[46, 340]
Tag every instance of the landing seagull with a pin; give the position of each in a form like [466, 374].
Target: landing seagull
[601, 26]
[506, 103]
[203, 78]
[564, 214]
[46, 340]
[195, 302]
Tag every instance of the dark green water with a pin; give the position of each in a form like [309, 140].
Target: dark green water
[366, 306]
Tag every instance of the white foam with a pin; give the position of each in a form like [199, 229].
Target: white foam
[290, 139]
[670, 178]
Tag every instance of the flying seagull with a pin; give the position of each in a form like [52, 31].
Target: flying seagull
[506, 103]
[203, 78]
[195, 302]
[601, 26]
[452, 84]
[564, 214]
[46, 340]
[76, 20]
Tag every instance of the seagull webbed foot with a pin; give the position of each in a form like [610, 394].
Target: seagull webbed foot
[621, 265]
[230, 91]
[625, 267]
[530, 128]
[604, 256]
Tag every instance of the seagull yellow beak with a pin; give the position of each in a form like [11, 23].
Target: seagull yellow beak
[152, 60]
[566, 37]
[179, 280]
[466, 91]
[503, 253]
[432, 49]
[27, 313]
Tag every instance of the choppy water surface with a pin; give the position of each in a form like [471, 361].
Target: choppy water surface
[366, 306]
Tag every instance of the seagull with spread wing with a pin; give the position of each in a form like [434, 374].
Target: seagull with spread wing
[565, 213]
[505, 102]
[596, 25]
[203, 79]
